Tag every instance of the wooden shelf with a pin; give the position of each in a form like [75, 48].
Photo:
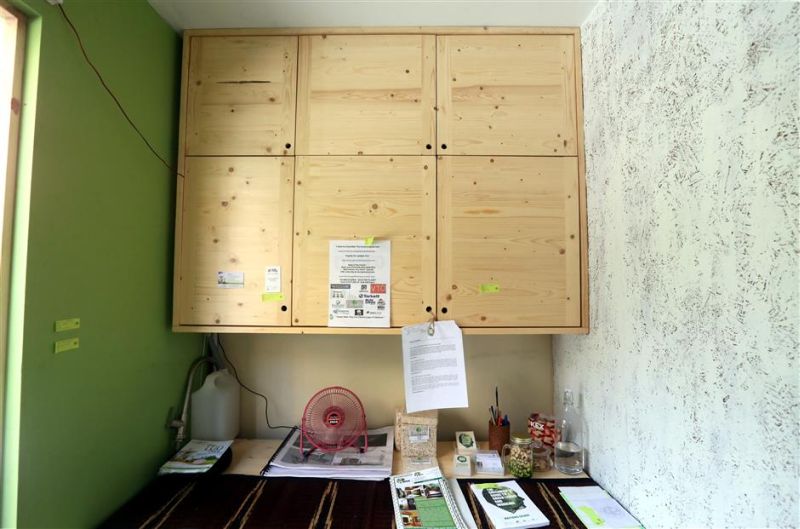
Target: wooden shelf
[250, 456]
[370, 331]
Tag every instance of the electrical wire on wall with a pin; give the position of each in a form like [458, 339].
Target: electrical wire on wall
[111, 93]
[215, 340]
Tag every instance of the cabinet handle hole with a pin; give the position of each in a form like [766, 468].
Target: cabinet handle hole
[284, 308]
[429, 146]
[428, 309]
[444, 146]
[288, 145]
[444, 310]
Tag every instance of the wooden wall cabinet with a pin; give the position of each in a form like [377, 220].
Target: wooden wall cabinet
[354, 197]
[366, 94]
[507, 95]
[237, 216]
[241, 95]
[509, 241]
[462, 146]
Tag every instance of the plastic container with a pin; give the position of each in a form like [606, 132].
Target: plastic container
[215, 408]
[415, 435]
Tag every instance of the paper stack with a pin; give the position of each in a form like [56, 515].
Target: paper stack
[374, 464]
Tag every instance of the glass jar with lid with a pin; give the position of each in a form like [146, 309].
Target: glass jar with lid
[518, 455]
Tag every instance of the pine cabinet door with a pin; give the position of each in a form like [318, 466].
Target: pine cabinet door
[236, 222]
[241, 93]
[506, 95]
[366, 94]
[344, 197]
[509, 250]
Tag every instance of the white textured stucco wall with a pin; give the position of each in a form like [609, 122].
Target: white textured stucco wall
[689, 378]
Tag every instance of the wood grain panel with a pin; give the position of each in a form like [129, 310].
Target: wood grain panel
[237, 216]
[346, 197]
[241, 95]
[366, 94]
[511, 222]
[510, 95]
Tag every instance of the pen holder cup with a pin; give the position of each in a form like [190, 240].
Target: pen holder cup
[499, 436]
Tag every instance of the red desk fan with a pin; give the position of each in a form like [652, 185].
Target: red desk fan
[333, 420]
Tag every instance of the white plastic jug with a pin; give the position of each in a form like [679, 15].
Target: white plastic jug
[215, 408]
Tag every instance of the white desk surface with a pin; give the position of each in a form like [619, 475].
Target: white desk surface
[250, 456]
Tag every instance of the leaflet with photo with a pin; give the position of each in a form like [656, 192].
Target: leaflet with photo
[423, 500]
[197, 456]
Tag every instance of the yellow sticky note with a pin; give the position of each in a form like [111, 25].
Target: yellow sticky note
[66, 344]
[272, 296]
[489, 288]
[68, 324]
[369, 240]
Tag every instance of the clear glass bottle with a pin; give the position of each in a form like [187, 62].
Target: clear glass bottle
[568, 453]
[518, 456]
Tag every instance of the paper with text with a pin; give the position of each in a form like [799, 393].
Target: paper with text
[359, 281]
[596, 508]
[433, 367]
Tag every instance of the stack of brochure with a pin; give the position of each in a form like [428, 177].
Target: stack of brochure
[373, 464]
[423, 499]
[197, 456]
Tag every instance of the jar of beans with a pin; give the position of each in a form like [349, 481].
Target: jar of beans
[518, 455]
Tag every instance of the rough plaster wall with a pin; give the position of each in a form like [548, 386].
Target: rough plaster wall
[689, 378]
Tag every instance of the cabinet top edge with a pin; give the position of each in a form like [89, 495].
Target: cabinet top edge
[386, 30]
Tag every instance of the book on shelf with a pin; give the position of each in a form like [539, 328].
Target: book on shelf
[507, 506]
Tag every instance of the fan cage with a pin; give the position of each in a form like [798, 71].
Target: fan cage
[333, 420]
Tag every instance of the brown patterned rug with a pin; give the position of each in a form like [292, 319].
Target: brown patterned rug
[250, 502]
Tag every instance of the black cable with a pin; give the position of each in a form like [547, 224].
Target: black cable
[114, 97]
[266, 401]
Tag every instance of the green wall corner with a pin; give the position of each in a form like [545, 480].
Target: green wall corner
[86, 428]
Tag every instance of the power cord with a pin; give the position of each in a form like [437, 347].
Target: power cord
[256, 393]
[114, 97]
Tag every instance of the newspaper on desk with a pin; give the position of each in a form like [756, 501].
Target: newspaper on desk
[374, 464]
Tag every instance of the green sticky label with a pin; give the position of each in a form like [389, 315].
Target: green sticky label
[592, 514]
[68, 324]
[67, 345]
[369, 240]
[489, 288]
[272, 296]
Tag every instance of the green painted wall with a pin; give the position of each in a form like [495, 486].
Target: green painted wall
[91, 421]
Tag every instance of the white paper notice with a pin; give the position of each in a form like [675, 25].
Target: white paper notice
[359, 282]
[272, 279]
[230, 279]
[433, 367]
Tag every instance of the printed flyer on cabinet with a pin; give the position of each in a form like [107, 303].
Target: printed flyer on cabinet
[359, 282]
